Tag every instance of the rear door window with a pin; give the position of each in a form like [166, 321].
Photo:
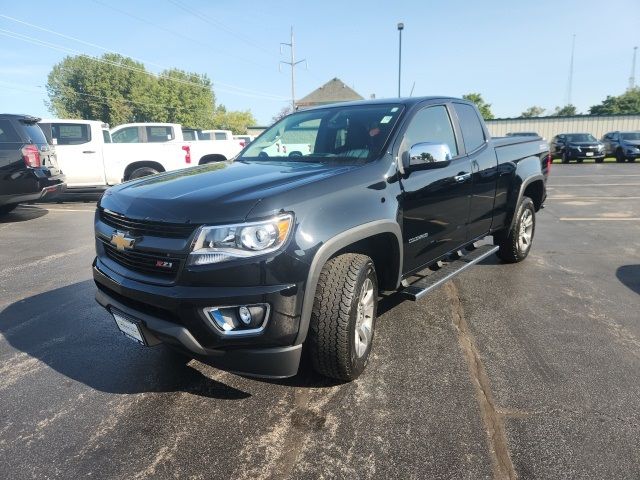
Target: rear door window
[159, 134]
[126, 135]
[70, 133]
[471, 126]
[8, 134]
[220, 135]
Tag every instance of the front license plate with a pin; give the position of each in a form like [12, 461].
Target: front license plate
[589, 154]
[128, 327]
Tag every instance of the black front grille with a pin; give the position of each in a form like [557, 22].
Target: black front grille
[154, 264]
[147, 227]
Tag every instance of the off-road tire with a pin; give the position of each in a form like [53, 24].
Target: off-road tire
[511, 250]
[334, 316]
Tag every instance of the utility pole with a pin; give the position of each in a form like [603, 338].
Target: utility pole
[400, 28]
[570, 86]
[292, 64]
[632, 78]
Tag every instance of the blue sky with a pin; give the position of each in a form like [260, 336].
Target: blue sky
[516, 54]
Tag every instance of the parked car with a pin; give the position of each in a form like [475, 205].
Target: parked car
[577, 146]
[28, 166]
[91, 162]
[622, 145]
[244, 140]
[244, 262]
[523, 134]
[204, 149]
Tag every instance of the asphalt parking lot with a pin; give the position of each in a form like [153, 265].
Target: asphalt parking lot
[529, 370]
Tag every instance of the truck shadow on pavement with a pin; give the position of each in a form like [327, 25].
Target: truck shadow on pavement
[67, 331]
[23, 214]
[629, 275]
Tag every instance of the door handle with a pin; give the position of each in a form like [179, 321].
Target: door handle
[462, 177]
[88, 151]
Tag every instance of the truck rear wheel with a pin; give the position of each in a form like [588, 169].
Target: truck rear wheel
[344, 317]
[142, 172]
[516, 243]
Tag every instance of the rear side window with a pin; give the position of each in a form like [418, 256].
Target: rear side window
[188, 135]
[204, 136]
[70, 133]
[34, 133]
[126, 135]
[431, 124]
[472, 131]
[8, 134]
[159, 134]
[220, 135]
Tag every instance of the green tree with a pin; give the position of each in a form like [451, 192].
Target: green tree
[628, 102]
[565, 111]
[236, 121]
[484, 107]
[118, 90]
[531, 112]
[282, 113]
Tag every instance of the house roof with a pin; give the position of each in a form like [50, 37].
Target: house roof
[333, 91]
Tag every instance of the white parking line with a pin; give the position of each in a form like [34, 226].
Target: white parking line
[599, 219]
[595, 176]
[31, 207]
[575, 197]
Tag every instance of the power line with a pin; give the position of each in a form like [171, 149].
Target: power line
[179, 34]
[236, 90]
[205, 18]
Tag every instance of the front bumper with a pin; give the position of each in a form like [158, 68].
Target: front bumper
[575, 155]
[173, 315]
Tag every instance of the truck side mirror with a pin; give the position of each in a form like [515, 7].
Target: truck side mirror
[427, 155]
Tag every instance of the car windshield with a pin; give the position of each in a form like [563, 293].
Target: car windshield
[341, 133]
[630, 136]
[581, 137]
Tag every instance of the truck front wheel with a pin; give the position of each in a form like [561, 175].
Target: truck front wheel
[142, 172]
[516, 242]
[344, 317]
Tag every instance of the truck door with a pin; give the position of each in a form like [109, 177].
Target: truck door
[434, 201]
[79, 155]
[484, 167]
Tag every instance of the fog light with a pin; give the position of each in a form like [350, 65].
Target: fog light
[238, 319]
[245, 315]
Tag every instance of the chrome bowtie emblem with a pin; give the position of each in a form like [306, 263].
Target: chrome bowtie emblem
[121, 241]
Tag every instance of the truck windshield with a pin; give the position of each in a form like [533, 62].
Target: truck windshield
[581, 137]
[630, 136]
[340, 133]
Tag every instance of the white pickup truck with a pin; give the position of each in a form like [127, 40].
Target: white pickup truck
[91, 162]
[206, 146]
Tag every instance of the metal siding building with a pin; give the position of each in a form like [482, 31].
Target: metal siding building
[548, 127]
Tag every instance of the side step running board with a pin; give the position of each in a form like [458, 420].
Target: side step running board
[419, 289]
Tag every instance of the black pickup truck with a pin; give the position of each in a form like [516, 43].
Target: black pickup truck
[28, 167]
[243, 263]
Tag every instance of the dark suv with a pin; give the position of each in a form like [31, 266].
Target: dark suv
[577, 146]
[28, 167]
[622, 145]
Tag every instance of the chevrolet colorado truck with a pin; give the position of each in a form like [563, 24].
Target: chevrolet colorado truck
[244, 263]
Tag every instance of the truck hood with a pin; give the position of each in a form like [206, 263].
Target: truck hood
[215, 193]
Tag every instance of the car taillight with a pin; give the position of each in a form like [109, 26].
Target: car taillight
[187, 153]
[242, 143]
[31, 156]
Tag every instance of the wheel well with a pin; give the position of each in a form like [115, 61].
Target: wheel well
[383, 249]
[535, 191]
[212, 158]
[135, 165]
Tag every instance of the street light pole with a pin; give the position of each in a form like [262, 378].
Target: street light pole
[400, 28]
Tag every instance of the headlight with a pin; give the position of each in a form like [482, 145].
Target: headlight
[228, 242]
[600, 146]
